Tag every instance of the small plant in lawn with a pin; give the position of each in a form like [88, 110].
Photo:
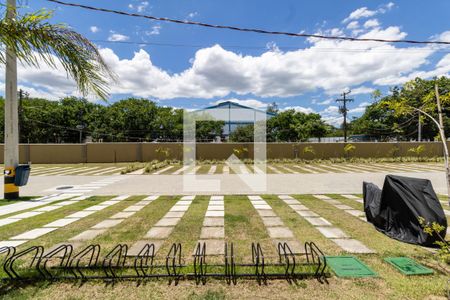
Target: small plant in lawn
[130, 168]
[309, 152]
[436, 230]
[240, 152]
[155, 165]
[417, 151]
[394, 151]
[162, 152]
[349, 149]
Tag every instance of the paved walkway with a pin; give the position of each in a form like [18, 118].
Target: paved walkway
[213, 229]
[112, 221]
[326, 228]
[164, 227]
[54, 225]
[277, 230]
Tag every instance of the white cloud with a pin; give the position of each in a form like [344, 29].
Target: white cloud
[443, 37]
[353, 25]
[325, 102]
[335, 121]
[364, 12]
[371, 23]
[359, 13]
[94, 29]
[331, 115]
[305, 110]
[362, 90]
[247, 102]
[356, 110]
[117, 37]
[216, 72]
[272, 46]
[442, 68]
[332, 109]
[141, 7]
[155, 30]
[386, 7]
[192, 14]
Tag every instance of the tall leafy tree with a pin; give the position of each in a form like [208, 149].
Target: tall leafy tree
[383, 120]
[36, 41]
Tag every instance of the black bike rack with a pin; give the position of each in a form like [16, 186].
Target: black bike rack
[62, 263]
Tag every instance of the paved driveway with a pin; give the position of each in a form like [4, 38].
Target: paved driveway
[229, 184]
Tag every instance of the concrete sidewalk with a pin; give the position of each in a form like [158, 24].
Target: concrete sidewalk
[230, 184]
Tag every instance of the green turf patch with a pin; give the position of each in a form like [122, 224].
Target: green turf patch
[349, 266]
[408, 266]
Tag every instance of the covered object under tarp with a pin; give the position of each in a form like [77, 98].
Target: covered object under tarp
[395, 210]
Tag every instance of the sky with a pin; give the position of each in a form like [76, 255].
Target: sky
[193, 67]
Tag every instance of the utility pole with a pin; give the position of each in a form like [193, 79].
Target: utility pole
[343, 110]
[11, 154]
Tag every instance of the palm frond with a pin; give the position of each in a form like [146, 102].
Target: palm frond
[36, 41]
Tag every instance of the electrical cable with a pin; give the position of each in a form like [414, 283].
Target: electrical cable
[318, 49]
[254, 30]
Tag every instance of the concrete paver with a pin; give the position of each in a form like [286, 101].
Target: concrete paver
[139, 245]
[214, 247]
[213, 222]
[87, 235]
[33, 234]
[280, 232]
[332, 232]
[123, 215]
[107, 223]
[272, 221]
[168, 222]
[318, 221]
[159, 232]
[212, 233]
[352, 246]
[62, 222]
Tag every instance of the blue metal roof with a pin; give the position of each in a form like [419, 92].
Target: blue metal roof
[230, 104]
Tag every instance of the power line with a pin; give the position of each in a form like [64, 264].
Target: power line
[318, 49]
[261, 31]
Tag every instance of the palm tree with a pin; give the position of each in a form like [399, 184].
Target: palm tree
[33, 41]
[36, 41]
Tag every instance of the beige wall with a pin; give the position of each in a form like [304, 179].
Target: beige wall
[129, 152]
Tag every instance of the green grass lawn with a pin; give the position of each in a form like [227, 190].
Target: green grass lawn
[242, 227]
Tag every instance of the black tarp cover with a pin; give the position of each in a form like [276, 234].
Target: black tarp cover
[395, 209]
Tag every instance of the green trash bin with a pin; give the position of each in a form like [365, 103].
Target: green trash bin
[22, 174]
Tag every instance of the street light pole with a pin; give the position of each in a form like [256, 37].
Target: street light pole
[11, 150]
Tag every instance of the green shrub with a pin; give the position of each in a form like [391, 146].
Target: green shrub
[417, 151]
[348, 149]
[436, 230]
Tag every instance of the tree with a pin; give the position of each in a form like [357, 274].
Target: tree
[37, 42]
[382, 121]
[132, 119]
[207, 130]
[293, 126]
[272, 108]
[31, 40]
[242, 134]
[429, 105]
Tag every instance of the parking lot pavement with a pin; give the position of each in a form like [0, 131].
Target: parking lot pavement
[345, 183]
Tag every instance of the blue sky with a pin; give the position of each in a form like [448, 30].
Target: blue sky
[196, 67]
